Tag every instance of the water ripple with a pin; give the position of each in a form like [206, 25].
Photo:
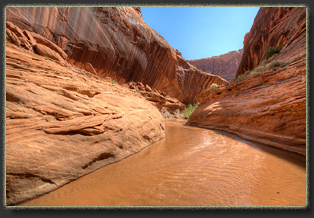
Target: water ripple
[192, 167]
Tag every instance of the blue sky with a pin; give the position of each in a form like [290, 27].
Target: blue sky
[201, 32]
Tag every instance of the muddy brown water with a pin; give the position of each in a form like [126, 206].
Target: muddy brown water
[191, 167]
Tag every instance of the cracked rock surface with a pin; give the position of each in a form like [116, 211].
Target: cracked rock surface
[63, 122]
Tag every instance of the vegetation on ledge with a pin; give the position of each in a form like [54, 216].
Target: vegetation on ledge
[264, 66]
[272, 51]
[189, 110]
[212, 87]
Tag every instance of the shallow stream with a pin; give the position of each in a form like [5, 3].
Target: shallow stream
[191, 167]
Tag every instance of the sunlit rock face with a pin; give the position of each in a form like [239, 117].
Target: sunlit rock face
[63, 122]
[274, 26]
[116, 42]
[267, 105]
[225, 65]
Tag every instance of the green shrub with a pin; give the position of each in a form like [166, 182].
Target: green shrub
[272, 51]
[254, 73]
[189, 110]
[260, 69]
[113, 81]
[299, 57]
[241, 77]
[213, 86]
[283, 64]
[275, 64]
[137, 90]
[153, 91]
[272, 57]
[263, 63]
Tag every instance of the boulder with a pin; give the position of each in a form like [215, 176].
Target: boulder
[47, 52]
[12, 37]
[148, 88]
[31, 39]
[140, 86]
[90, 68]
[42, 40]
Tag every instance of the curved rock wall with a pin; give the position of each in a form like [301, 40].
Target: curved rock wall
[270, 108]
[274, 26]
[63, 122]
[267, 104]
[117, 43]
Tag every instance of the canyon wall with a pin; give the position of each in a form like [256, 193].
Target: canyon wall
[115, 42]
[266, 103]
[63, 122]
[274, 26]
[65, 114]
[269, 108]
[225, 65]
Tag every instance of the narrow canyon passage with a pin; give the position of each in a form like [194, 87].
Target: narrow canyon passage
[191, 167]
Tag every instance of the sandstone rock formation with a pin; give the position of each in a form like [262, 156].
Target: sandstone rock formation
[117, 43]
[34, 43]
[274, 26]
[63, 122]
[225, 65]
[267, 104]
[170, 108]
[269, 108]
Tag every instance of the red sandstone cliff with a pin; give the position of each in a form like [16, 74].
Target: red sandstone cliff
[115, 42]
[225, 65]
[267, 104]
[63, 122]
[274, 26]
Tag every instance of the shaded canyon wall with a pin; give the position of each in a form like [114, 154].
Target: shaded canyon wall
[274, 26]
[116, 42]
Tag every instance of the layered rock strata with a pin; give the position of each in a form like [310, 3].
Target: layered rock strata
[170, 108]
[267, 103]
[63, 122]
[225, 65]
[274, 26]
[117, 43]
[34, 43]
[269, 108]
